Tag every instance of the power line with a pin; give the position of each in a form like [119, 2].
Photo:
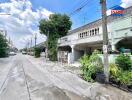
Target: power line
[77, 4]
[83, 4]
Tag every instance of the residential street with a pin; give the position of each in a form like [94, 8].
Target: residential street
[66, 50]
[26, 78]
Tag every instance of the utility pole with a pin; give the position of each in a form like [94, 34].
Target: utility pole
[35, 39]
[105, 40]
[31, 45]
[31, 42]
[47, 44]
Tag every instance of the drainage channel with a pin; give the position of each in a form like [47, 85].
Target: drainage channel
[27, 86]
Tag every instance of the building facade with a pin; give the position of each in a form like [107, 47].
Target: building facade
[85, 39]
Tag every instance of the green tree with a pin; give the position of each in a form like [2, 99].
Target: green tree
[55, 27]
[3, 46]
[37, 52]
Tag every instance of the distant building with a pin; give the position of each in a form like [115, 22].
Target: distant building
[87, 38]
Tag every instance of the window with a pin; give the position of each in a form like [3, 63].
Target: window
[98, 30]
[93, 32]
[86, 34]
[80, 35]
[83, 35]
[90, 32]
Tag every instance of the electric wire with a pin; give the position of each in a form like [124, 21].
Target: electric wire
[83, 4]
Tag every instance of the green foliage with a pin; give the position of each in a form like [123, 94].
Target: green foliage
[125, 77]
[3, 46]
[57, 26]
[124, 62]
[96, 60]
[119, 75]
[124, 72]
[114, 70]
[84, 61]
[37, 52]
[53, 54]
[90, 66]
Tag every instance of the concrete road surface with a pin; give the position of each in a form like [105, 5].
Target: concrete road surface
[26, 78]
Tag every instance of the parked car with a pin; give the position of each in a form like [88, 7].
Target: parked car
[24, 52]
[12, 53]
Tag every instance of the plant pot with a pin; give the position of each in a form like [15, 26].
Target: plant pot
[100, 77]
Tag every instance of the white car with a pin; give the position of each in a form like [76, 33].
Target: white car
[12, 53]
[24, 52]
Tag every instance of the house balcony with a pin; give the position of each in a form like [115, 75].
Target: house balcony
[77, 39]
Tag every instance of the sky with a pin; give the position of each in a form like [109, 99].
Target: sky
[22, 23]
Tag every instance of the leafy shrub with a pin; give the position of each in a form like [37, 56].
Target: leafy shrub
[90, 65]
[96, 61]
[37, 52]
[114, 70]
[119, 75]
[125, 78]
[124, 62]
[84, 60]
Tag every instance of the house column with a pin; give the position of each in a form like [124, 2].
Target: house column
[113, 47]
[72, 54]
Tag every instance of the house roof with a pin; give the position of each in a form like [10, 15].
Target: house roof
[117, 8]
[110, 18]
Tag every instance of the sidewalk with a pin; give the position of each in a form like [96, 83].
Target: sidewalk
[58, 66]
[94, 91]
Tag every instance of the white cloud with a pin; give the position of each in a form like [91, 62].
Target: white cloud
[126, 3]
[23, 21]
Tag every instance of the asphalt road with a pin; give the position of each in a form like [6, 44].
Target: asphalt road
[25, 78]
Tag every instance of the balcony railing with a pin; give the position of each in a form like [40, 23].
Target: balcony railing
[79, 39]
